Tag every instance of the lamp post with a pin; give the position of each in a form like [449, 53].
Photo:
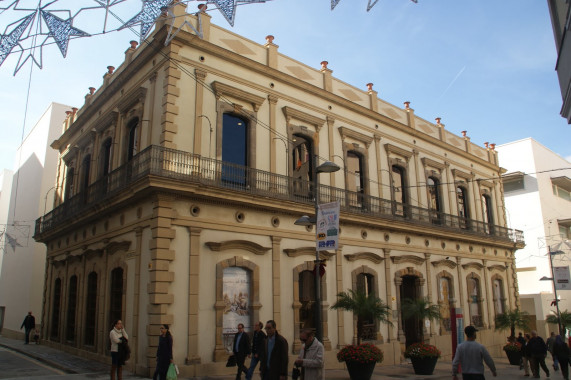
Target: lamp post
[326, 167]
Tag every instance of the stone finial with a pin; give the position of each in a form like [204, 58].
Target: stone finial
[486, 144]
[324, 65]
[493, 146]
[369, 86]
[133, 44]
[202, 8]
[438, 120]
[464, 133]
[68, 113]
[91, 90]
[407, 105]
[110, 69]
[270, 39]
[74, 110]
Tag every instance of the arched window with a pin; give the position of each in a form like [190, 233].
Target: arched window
[90, 309]
[475, 301]
[302, 163]
[234, 149]
[71, 309]
[487, 213]
[237, 294]
[398, 188]
[132, 138]
[85, 173]
[355, 178]
[56, 304]
[434, 204]
[463, 212]
[307, 299]
[69, 183]
[116, 298]
[444, 297]
[105, 158]
[499, 300]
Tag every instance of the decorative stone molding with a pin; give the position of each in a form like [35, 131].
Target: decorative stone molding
[308, 251]
[346, 132]
[390, 148]
[129, 100]
[221, 89]
[447, 263]
[499, 267]
[290, 113]
[473, 265]
[373, 257]
[408, 259]
[245, 245]
[427, 162]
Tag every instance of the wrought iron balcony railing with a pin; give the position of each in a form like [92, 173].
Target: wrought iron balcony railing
[183, 166]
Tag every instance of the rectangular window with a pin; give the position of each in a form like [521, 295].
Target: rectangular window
[513, 185]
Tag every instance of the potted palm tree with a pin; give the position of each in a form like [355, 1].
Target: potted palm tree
[422, 356]
[509, 320]
[564, 316]
[361, 358]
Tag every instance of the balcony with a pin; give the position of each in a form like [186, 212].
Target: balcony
[182, 166]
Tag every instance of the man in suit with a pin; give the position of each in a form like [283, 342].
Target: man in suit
[274, 357]
[258, 342]
[241, 348]
[29, 324]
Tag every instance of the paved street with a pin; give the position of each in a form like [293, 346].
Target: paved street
[19, 361]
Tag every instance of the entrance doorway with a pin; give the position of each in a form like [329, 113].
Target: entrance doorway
[412, 326]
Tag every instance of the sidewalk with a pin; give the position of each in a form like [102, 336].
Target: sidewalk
[75, 365]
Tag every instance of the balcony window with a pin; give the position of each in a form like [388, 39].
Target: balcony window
[69, 183]
[105, 158]
[398, 190]
[302, 163]
[487, 212]
[433, 187]
[355, 178]
[463, 212]
[234, 149]
[133, 138]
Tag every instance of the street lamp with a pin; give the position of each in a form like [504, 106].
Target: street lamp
[552, 279]
[326, 167]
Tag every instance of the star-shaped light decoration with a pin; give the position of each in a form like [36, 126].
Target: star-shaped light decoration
[10, 40]
[12, 242]
[107, 4]
[147, 16]
[61, 30]
[370, 5]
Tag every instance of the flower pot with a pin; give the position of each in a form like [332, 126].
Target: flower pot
[424, 366]
[360, 371]
[514, 357]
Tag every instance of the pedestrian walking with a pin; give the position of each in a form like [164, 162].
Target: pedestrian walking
[29, 324]
[258, 342]
[550, 341]
[118, 336]
[521, 340]
[164, 353]
[274, 357]
[526, 355]
[241, 349]
[469, 355]
[561, 351]
[538, 350]
[310, 357]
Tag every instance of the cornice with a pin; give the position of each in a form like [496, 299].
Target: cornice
[346, 132]
[290, 113]
[473, 265]
[249, 246]
[308, 251]
[390, 148]
[133, 97]
[222, 89]
[435, 164]
[499, 267]
[373, 257]
[447, 263]
[408, 259]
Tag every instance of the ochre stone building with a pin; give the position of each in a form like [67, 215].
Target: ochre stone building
[180, 180]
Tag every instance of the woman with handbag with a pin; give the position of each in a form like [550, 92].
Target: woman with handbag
[117, 335]
[164, 353]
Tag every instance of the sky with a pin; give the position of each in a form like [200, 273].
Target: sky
[484, 66]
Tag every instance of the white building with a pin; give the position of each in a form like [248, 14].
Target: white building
[26, 193]
[537, 189]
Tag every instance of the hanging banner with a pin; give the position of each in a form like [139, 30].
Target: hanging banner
[561, 278]
[327, 227]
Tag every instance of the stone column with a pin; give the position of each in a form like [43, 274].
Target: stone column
[272, 101]
[398, 284]
[429, 287]
[461, 288]
[199, 120]
[340, 288]
[192, 356]
[489, 295]
[377, 138]
[389, 298]
[276, 277]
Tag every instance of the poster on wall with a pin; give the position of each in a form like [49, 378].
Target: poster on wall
[561, 277]
[327, 226]
[236, 295]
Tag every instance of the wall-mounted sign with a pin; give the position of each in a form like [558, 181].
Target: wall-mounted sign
[561, 277]
[327, 231]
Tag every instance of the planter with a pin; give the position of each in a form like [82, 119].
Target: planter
[514, 357]
[424, 366]
[360, 371]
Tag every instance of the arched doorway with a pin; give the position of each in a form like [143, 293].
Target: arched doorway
[409, 284]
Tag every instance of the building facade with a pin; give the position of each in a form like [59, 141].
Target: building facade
[559, 12]
[181, 178]
[536, 191]
[27, 194]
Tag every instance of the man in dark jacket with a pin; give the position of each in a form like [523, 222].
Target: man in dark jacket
[274, 357]
[241, 348]
[538, 351]
[258, 342]
[29, 324]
